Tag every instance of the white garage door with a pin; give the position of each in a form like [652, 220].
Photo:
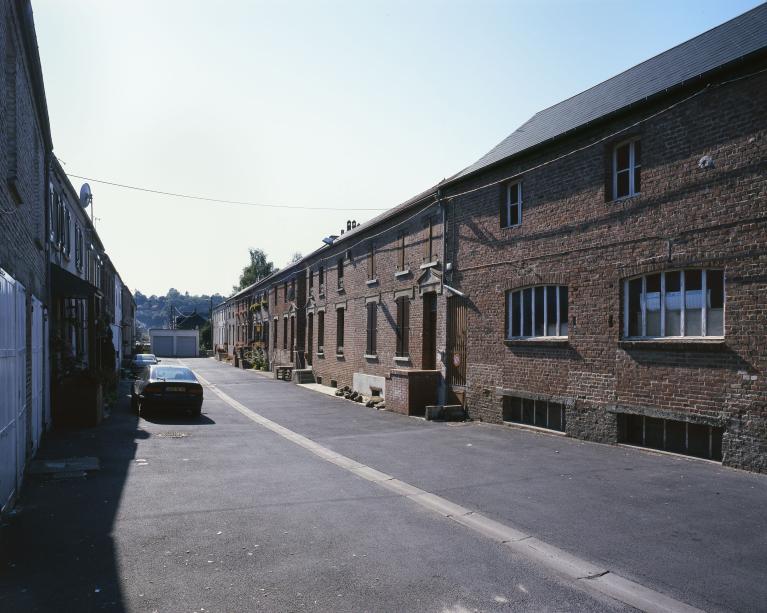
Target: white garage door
[162, 346]
[186, 346]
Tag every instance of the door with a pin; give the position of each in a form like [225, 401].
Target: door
[456, 341]
[38, 392]
[310, 337]
[186, 346]
[429, 355]
[162, 346]
[13, 386]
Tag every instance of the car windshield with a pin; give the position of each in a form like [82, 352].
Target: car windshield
[146, 357]
[172, 373]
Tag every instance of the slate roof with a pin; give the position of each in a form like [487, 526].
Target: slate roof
[712, 50]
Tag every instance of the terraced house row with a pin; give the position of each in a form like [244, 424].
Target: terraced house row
[601, 272]
[66, 318]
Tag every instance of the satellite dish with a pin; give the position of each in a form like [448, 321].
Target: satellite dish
[86, 197]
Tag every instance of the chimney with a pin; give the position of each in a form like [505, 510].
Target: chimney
[354, 223]
[349, 225]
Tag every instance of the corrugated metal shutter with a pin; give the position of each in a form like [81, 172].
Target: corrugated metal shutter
[186, 346]
[162, 346]
[38, 393]
[13, 388]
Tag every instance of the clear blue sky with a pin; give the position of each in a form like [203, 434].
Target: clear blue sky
[349, 104]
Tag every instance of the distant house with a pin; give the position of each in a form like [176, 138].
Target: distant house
[195, 321]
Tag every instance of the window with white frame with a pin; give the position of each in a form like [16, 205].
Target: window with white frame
[537, 311]
[511, 206]
[674, 303]
[627, 167]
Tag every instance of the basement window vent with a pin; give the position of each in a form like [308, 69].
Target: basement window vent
[333, 383]
[697, 440]
[318, 379]
[540, 413]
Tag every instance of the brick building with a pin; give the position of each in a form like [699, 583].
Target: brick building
[618, 289]
[599, 273]
[25, 144]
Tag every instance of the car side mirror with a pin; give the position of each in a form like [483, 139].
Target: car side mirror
[158, 361]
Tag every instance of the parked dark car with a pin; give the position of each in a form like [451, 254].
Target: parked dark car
[141, 361]
[167, 387]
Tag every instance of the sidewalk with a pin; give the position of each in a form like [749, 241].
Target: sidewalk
[72, 510]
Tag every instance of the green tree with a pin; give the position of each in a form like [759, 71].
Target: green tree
[258, 268]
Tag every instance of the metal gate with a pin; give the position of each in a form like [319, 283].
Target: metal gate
[38, 391]
[456, 341]
[13, 386]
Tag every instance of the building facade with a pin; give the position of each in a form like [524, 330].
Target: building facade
[599, 273]
[25, 145]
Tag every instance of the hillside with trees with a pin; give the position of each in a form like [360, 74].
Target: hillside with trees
[155, 311]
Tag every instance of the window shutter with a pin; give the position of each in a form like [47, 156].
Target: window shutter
[502, 213]
[371, 267]
[506, 330]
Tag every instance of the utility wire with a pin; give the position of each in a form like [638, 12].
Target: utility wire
[221, 200]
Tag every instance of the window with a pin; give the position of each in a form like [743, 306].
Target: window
[78, 247]
[372, 309]
[627, 166]
[340, 273]
[67, 231]
[541, 413]
[511, 206]
[321, 332]
[285, 292]
[372, 263]
[339, 331]
[321, 279]
[311, 280]
[52, 215]
[428, 249]
[401, 252]
[537, 311]
[672, 304]
[403, 327]
[698, 440]
[274, 336]
[284, 332]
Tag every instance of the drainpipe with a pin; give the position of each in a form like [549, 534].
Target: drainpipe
[442, 392]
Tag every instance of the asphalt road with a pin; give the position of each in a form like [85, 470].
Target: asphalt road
[225, 514]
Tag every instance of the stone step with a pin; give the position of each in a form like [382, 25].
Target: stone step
[303, 375]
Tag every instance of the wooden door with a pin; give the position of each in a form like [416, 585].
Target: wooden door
[456, 341]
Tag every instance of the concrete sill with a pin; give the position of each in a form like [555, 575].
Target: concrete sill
[429, 264]
[513, 424]
[370, 356]
[675, 344]
[541, 341]
[320, 354]
[402, 358]
[339, 355]
[372, 281]
[682, 456]
[402, 273]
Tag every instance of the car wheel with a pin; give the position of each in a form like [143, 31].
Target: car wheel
[133, 402]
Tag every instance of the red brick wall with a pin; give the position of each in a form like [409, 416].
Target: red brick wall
[573, 234]
[357, 292]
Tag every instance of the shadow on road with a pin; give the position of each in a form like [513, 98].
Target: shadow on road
[171, 418]
[56, 548]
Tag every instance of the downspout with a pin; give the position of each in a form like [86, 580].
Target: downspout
[442, 391]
